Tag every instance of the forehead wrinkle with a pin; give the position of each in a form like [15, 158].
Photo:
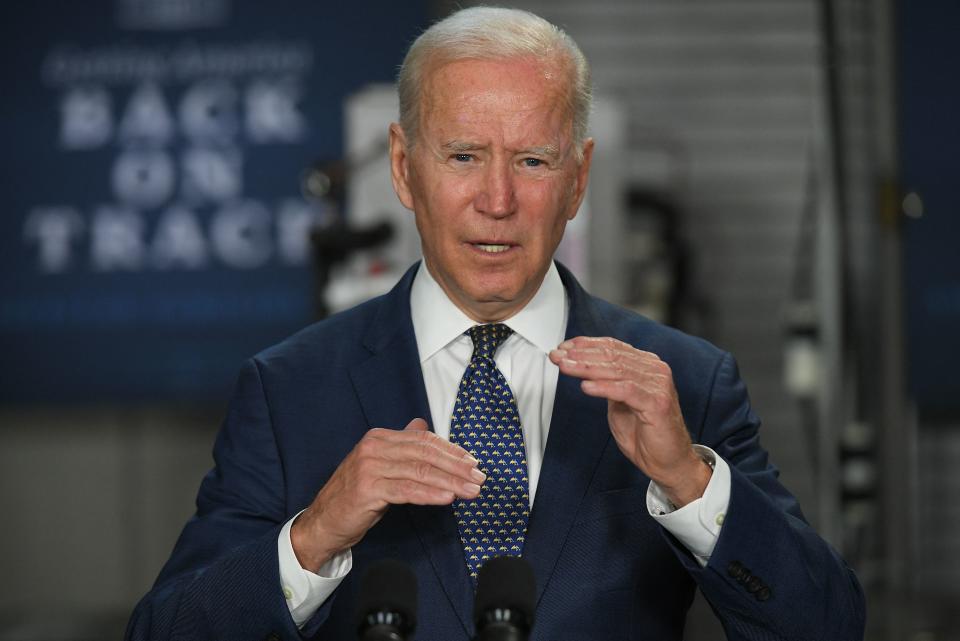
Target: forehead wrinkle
[478, 107]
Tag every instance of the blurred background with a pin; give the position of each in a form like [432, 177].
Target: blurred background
[185, 182]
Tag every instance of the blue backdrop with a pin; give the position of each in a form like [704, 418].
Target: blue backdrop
[153, 231]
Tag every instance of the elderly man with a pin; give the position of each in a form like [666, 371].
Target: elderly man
[488, 406]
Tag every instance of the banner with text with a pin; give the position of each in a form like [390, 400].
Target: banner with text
[154, 232]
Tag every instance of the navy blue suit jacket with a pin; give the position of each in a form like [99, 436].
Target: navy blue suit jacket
[604, 568]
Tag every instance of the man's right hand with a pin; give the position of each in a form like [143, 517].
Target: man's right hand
[386, 467]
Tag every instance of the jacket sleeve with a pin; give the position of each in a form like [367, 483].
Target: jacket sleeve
[223, 579]
[771, 576]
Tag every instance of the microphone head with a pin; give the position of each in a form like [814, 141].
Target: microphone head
[388, 586]
[506, 583]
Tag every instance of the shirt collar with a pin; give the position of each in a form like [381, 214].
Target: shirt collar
[437, 321]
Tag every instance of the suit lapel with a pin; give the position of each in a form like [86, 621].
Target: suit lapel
[390, 388]
[578, 436]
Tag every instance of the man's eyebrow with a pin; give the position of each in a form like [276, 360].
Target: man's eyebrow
[457, 146]
[551, 151]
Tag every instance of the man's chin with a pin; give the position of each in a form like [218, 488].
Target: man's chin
[494, 305]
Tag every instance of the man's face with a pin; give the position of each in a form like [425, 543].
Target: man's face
[492, 179]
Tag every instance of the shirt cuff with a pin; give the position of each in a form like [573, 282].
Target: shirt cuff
[303, 590]
[697, 524]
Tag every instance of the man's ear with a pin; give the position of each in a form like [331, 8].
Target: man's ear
[583, 176]
[400, 165]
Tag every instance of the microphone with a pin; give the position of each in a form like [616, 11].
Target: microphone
[506, 596]
[387, 606]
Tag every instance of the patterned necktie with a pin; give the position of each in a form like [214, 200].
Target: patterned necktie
[486, 423]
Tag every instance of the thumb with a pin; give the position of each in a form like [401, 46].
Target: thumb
[417, 425]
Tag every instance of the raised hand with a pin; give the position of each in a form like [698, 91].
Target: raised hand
[386, 467]
[642, 409]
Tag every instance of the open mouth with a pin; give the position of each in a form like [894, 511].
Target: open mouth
[491, 248]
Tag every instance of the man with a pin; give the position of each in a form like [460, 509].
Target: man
[488, 405]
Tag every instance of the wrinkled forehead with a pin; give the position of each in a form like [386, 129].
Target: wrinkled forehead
[453, 83]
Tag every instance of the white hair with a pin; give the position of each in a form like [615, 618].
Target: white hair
[494, 33]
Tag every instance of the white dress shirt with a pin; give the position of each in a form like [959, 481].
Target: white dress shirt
[444, 352]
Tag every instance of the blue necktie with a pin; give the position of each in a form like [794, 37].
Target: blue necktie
[486, 423]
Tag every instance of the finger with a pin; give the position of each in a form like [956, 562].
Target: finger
[394, 456]
[598, 365]
[594, 341]
[620, 391]
[631, 394]
[606, 347]
[430, 449]
[417, 425]
[401, 492]
[375, 481]
[608, 352]
[418, 463]
[417, 432]
[402, 473]
[448, 451]
[465, 483]
[613, 371]
[650, 373]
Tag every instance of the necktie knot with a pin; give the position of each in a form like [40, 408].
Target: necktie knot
[487, 338]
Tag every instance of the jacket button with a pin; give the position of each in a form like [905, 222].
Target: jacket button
[763, 594]
[754, 585]
[736, 570]
[273, 636]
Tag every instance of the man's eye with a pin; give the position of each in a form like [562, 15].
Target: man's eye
[462, 157]
[532, 162]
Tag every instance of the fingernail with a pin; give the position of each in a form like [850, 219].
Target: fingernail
[473, 461]
[471, 489]
[559, 353]
[478, 476]
[566, 345]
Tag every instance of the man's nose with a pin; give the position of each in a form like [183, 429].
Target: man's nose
[497, 196]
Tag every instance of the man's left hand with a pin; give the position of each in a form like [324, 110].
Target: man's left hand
[642, 408]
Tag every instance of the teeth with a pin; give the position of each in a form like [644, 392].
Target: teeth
[493, 249]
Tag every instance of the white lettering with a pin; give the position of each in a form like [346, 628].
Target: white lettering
[178, 241]
[240, 234]
[147, 117]
[295, 220]
[116, 240]
[208, 112]
[143, 178]
[86, 120]
[272, 113]
[212, 175]
[53, 228]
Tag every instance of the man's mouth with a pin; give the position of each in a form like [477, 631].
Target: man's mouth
[491, 248]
